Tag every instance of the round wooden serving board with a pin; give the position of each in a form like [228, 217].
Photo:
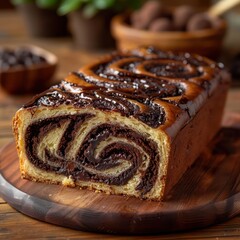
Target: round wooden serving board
[208, 193]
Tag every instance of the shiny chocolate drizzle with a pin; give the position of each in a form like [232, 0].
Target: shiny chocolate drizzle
[134, 84]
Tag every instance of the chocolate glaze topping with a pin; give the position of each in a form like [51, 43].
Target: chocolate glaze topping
[110, 156]
[132, 84]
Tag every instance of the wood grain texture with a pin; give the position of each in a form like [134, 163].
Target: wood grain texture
[207, 194]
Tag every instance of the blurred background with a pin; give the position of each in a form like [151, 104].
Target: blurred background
[63, 25]
[33, 22]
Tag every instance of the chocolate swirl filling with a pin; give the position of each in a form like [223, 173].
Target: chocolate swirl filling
[91, 163]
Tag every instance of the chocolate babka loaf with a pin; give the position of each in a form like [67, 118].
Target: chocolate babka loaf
[129, 124]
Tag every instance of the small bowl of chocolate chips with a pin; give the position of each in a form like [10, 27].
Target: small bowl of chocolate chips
[183, 28]
[26, 69]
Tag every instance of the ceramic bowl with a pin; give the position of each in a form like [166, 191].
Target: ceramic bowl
[207, 42]
[31, 79]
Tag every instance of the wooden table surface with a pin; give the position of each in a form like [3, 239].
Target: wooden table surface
[14, 225]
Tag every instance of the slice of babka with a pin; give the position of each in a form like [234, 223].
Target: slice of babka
[131, 123]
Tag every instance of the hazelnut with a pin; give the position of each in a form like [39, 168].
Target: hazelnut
[181, 16]
[142, 18]
[198, 22]
[161, 25]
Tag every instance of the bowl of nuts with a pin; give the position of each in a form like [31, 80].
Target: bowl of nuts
[26, 69]
[180, 29]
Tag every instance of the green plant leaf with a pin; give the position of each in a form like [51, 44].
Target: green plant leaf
[126, 4]
[18, 2]
[136, 4]
[89, 10]
[47, 3]
[91, 7]
[68, 6]
[103, 4]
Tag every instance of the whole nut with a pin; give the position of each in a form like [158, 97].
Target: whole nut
[198, 22]
[161, 25]
[142, 18]
[137, 21]
[181, 16]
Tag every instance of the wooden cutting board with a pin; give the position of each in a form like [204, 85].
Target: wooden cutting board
[208, 193]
